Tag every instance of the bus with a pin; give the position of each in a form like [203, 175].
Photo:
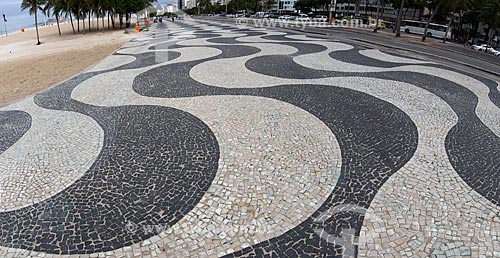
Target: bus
[418, 27]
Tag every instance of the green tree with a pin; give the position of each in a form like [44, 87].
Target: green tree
[434, 7]
[400, 18]
[268, 4]
[490, 14]
[65, 7]
[377, 20]
[33, 6]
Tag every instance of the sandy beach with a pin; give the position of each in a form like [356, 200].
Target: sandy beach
[26, 68]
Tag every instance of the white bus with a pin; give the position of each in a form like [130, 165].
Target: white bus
[417, 27]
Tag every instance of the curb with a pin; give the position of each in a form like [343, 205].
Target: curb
[414, 51]
[428, 54]
[396, 47]
[467, 54]
[436, 46]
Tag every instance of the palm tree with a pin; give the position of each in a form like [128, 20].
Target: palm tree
[490, 14]
[357, 3]
[89, 9]
[438, 4]
[66, 7]
[400, 18]
[33, 6]
[50, 5]
[378, 16]
[268, 4]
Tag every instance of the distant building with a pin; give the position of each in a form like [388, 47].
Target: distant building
[222, 2]
[365, 8]
[179, 5]
[285, 5]
[369, 8]
[189, 4]
[160, 10]
[171, 8]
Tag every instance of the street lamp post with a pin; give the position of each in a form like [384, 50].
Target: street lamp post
[334, 4]
[400, 18]
[378, 14]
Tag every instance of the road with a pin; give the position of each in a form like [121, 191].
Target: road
[206, 139]
[450, 54]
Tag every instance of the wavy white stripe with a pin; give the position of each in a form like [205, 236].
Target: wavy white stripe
[275, 147]
[55, 152]
[485, 110]
[111, 62]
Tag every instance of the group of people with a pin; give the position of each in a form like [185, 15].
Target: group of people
[160, 19]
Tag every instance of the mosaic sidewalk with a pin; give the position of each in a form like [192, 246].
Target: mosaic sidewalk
[203, 139]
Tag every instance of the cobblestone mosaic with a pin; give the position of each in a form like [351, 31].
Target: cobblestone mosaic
[13, 125]
[201, 139]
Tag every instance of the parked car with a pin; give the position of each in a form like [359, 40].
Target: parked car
[493, 51]
[303, 18]
[320, 18]
[260, 14]
[273, 16]
[231, 15]
[284, 17]
[479, 47]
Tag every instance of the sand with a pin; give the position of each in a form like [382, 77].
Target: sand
[26, 68]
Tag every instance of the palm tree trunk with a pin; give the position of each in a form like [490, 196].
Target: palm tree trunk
[400, 17]
[128, 19]
[83, 22]
[378, 16]
[448, 29]
[366, 8]
[429, 21]
[78, 21]
[348, 7]
[90, 26]
[109, 27]
[58, 27]
[382, 12]
[356, 11]
[36, 26]
[72, 25]
[97, 21]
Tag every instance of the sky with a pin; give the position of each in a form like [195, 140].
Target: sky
[13, 7]
[10, 7]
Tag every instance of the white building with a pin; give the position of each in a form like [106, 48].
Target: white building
[221, 2]
[285, 5]
[188, 4]
[172, 8]
[365, 8]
